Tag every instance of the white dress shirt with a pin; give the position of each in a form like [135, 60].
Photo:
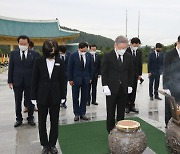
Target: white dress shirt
[25, 52]
[178, 51]
[50, 66]
[133, 51]
[157, 53]
[84, 57]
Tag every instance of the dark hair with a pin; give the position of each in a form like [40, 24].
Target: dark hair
[135, 40]
[179, 38]
[92, 45]
[31, 44]
[159, 45]
[175, 44]
[48, 47]
[24, 37]
[62, 48]
[83, 45]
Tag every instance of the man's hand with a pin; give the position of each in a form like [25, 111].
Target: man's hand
[10, 85]
[90, 81]
[139, 77]
[149, 74]
[71, 83]
[106, 91]
[130, 90]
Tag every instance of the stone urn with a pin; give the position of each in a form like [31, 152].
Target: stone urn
[172, 136]
[127, 138]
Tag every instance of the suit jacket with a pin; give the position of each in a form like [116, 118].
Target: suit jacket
[113, 74]
[42, 84]
[155, 65]
[75, 71]
[19, 73]
[171, 71]
[96, 65]
[137, 62]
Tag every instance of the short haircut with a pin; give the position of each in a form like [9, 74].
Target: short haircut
[49, 46]
[179, 38]
[121, 39]
[135, 40]
[159, 45]
[92, 45]
[62, 48]
[31, 44]
[83, 45]
[24, 37]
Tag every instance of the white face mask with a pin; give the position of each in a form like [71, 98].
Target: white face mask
[23, 48]
[83, 53]
[62, 54]
[121, 52]
[134, 48]
[93, 52]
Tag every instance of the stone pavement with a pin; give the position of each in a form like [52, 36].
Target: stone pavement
[25, 139]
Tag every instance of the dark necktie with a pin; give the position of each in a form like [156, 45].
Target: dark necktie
[62, 57]
[120, 60]
[134, 53]
[82, 61]
[23, 56]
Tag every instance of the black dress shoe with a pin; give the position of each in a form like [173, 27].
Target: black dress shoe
[45, 150]
[95, 103]
[151, 98]
[53, 150]
[31, 123]
[76, 118]
[134, 110]
[158, 98]
[83, 117]
[17, 124]
[127, 110]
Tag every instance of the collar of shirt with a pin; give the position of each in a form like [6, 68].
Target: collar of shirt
[25, 52]
[117, 55]
[156, 53]
[84, 57]
[50, 66]
[133, 50]
[178, 51]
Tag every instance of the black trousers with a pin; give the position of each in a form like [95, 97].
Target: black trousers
[132, 96]
[93, 86]
[154, 81]
[18, 93]
[115, 101]
[53, 111]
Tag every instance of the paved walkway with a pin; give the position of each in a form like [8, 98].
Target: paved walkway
[25, 139]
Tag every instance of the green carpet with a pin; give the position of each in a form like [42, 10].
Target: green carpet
[91, 138]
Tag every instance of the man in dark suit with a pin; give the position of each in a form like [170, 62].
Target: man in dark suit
[137, 63]
[155, 65]
[171, 77]
[117, 80]
[96, 74]
[64, 55]
[19, 77]
[80, 75]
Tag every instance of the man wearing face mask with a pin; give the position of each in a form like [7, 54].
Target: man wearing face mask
[80, 75]
[117, 80]
[171, 77]
[64, 55]
[19, 77]
[137, 66]
[155, 65]
[96, 74]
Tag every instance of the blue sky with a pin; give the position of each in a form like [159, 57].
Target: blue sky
[159, 19]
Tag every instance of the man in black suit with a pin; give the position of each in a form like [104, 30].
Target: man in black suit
[96, 74]
[137, 63]
[155, 65]
[64, 55]
[80, 75]
[171, 77]
[117, 80]
[19, 77]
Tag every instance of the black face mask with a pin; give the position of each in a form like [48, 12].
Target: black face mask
[158, 50]
[52, 55]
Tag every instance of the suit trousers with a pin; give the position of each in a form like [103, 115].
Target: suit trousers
[132, 96]
[80, 107]
[93, 86]
[53, 111]
[154, 80]
[115, 101]
[18, 93]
